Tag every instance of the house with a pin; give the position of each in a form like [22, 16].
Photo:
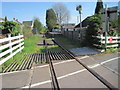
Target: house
[68, 27]
[85, 23]
[16, 20]
[28, 23]
[112, 13]
[2, 19]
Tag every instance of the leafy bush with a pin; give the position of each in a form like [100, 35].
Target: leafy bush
[57, 27]
[37, 24]
[114, 23]
[92, 30]
[27, 31]
[10, 27]
[119, 20]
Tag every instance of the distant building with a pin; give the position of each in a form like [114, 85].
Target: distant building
[85, 23]
[68, 27]
[112, 13]
[2, 19]
[16, 20]
[28, 23]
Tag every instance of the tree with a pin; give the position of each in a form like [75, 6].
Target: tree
[99, 6]
[51, 19]
[119, 21]
[93, 29]
[6, 19]
[37, 24]
[62, 13]
[27, 31]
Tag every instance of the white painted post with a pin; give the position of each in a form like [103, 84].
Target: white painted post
[19, 39]
[117, 41]
[101, 39]
[10, 47]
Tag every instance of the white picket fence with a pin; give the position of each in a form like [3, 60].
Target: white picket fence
[14, 45]
[112, 41]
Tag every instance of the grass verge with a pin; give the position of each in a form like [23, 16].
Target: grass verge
[30, 46]
[68, 43]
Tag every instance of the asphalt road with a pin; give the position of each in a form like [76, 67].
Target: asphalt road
[70, 74]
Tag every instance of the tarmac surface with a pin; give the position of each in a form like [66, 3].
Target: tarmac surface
[70, 74]
[84, 51]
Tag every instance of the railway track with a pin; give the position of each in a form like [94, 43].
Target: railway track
[26, 62]
[100, 78]
[28, 59]
[55, 85]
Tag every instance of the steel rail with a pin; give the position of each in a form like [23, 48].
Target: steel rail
[52, 71]
[100, 78]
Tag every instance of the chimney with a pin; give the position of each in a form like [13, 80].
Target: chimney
[17, 20]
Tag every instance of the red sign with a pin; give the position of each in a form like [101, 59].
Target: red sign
[110, 40]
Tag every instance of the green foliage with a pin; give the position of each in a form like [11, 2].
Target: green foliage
[30, 46]
[92, 30]
[114, 23]
[11, 27]
[27, 31]
[37, 24]
[112, 33]
[67, 43]
[119, 20]
[51, 19]
[99, 6]
[57, 27]
[6, 19]
[44, 29]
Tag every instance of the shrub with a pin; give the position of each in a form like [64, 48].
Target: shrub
[37, 24]
[92, 30]
[27, 31]
[11, 27]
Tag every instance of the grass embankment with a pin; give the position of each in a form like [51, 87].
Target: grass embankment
[30, 46]
[67, 43]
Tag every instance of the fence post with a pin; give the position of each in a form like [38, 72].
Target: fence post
[10, 47]
[117, 41]
[101, 39]
[19, 39]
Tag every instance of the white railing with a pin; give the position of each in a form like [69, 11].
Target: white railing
[112, 41]
[13, 46]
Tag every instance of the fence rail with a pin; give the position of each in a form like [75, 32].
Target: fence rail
[11, 46]
[112, 41]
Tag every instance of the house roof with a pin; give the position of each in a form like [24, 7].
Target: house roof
[29, 23]
[2, 19]
[85, 23]
[69, 25]
[110, 10]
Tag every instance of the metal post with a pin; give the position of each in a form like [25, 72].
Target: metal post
[80, 20]
[79, 8]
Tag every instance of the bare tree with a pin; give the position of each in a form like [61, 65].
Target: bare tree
[62, 13]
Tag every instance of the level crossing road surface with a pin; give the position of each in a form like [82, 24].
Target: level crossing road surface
[70, 74]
